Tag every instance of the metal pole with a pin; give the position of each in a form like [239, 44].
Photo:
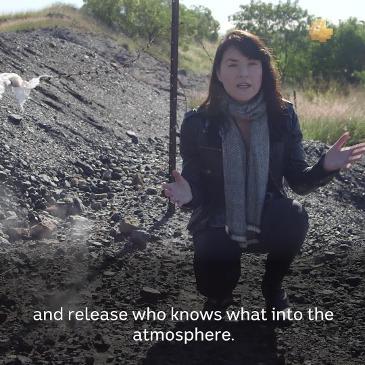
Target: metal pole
[173, 89]
[295, 99]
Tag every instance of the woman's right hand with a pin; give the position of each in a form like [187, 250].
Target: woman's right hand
[179, 191]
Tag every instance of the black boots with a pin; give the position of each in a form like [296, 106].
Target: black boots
[212, 304]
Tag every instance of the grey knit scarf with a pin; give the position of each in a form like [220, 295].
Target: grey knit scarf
[245, 177]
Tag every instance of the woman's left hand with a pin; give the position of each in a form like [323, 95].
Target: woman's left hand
[342, 158]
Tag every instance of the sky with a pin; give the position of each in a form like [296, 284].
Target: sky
[327, 9]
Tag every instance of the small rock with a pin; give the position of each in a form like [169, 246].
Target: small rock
[78, 206]
[148, 293]
[137, 180]
[133, 136]
[151, 191]
[40, 204]
[86, 168]
[6, 301]
[58, 210]
[3, 318]
[75, 181]
[89, 360]
[139, 239]
[3, 175]
[353, 280]
[22, 345]
[326, 256]
[45, 178]
[100, 188]
[177, 233]
[115, 234]
[101, 344]
[33, 218]
[107, 175]
[101, 196]
[109, 273]
[44, 229]
[344, 246]
[76, 219]
[329, 255]
[4, 242]
[60, 252]
[110, 359]
[327, 292]
[25, 185]
[17, 233]
[96, 205]
[127, 225]
[20, 360]
[116, 217]
[15, 118]
[116, 175]
[12, 220]
[299, 298]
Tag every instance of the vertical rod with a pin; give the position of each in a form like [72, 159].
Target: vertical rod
[295, 99]
[173, 89]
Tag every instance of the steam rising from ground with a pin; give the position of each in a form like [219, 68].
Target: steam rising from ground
[21, 88]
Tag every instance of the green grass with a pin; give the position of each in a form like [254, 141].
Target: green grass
[327, 115]
[329, 130]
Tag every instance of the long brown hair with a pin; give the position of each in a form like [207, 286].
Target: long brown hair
[252, 47]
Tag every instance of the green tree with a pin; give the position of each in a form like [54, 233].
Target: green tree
[283, 27]
[144, 18]
[105, 10]
[151, 19]
[349, 49]
[205, 26]
[342, 58]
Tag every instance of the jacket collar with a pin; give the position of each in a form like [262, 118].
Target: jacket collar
[212, 138]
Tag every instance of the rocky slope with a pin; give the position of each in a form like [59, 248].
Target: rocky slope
[83, 223]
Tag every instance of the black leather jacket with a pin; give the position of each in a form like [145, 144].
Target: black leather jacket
[201, 151]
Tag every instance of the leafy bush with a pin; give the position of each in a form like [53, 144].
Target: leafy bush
[151, 19]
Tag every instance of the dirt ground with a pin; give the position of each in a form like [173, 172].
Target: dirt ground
[83, 225]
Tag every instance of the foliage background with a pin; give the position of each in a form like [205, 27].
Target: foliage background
[283, 26]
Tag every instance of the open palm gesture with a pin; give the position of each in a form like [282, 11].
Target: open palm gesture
[179, 191]
[339, 157]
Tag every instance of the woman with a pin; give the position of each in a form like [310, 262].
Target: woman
[236, 148]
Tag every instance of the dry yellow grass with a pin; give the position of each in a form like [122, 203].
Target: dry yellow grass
[198, 57]
[326, 116]
[196, 97]
[60, 15]
[55, 14]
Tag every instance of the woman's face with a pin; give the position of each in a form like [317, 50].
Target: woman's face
[241, 77]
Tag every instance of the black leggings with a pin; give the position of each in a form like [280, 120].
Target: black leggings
[217, 265]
